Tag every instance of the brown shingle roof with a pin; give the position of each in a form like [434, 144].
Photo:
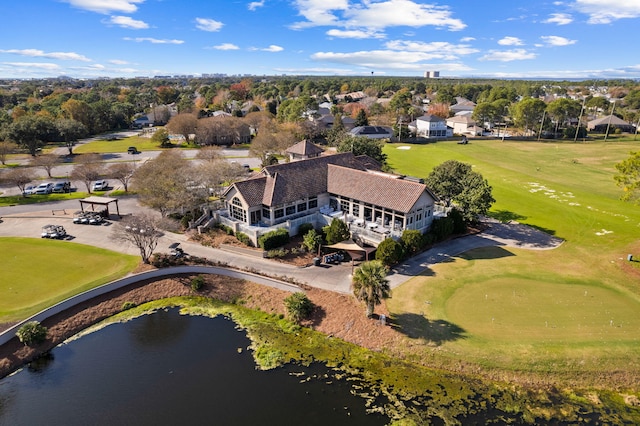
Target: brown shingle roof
[294, 181]
[252, 190]
[380, 190]
[305, 148]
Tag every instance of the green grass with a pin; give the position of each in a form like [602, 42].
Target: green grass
[19, 200]
[119, 145]
[575, 307]
[39, 273]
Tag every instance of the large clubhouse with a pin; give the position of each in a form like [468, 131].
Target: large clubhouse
[316, 190]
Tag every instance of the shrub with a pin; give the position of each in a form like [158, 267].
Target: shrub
[305, 228]
[274, 239]
[128, 305]
[197, 283]
[459, 225]
[312, 240]
[277, 253]
[225, 228]
[441, 228]
[244, 239]
[389, 252]
[337, 231]
[32, 333]
[412, 240]
[298, 306]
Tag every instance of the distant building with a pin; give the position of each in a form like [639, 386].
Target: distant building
[431, 74]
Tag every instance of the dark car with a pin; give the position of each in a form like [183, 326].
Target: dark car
[133, 150]
[61, 187]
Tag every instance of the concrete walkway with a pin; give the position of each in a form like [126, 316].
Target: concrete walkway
[27, 221]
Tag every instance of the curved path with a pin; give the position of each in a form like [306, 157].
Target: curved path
[10, 333]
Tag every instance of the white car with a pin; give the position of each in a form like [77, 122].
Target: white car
[44, 188]
[29, 190]
[100, 185]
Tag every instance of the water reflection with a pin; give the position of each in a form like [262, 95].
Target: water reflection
[201, 373]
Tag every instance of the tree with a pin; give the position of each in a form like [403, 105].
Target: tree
[143, 231]
[628, 177]
[45, 161]
[32, 332]
[412, 240]
[122, 172]
[161, 137]
[562, 109]
[31, 131]
[184, 124]
[337, 231]
[70, 131]
[361, 145]
[528, 113]
[20, 177]
[6, 148]
[389, 252]
[312, 240]
[361, 118]
[298, 306]
[370, 284]
[456, 182]
[89, 169]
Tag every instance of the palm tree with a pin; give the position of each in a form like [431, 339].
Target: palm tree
[370, 284]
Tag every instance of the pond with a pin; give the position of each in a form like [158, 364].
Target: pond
[167, 368]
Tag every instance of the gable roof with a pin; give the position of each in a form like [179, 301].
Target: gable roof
[379, 189]
[305, 147]
[615, 120]
[289, 182]
[372, 130]
[429, 118]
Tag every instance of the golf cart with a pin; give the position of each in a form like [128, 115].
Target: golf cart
[53, 231]
[176, 250]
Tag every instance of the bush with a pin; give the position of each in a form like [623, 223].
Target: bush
[197, 283]
[412, 240]
[298, 306]
[277, 253]
[389, 252]
[312, 240]
[128, 305]
[244, 239]
[32, 333]
[336, 232]
[459, 225]
[273, 239]
[225, 228]
[441, 228]
[305, 228]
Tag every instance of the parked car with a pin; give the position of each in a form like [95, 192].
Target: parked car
[133, 150]
[53, 231]
[61, 187]
[44, 188]
[29, 190]
[100, 185]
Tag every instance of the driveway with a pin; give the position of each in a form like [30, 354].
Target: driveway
[27, 221]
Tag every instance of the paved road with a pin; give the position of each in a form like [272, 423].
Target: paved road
[27, 221]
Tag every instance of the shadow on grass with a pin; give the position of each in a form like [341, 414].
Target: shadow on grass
[506, 216]
[491, 252]
[545, 230]
[417, 326]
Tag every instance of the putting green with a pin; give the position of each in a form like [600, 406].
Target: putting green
[39, 273]
[523, 310]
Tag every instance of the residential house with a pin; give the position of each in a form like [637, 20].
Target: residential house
[463, 125]
[431, 127]
[304, 150]
[373, 132]
[612, 122]
[376, 205]
[462, 105]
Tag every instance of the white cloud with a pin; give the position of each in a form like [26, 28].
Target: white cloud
[559, 18]
[604, 12]
[467, 39]
[255, 4]
[510, 41]
[36, 53]
[106, 6]
[273, 48]
[354, 34]
[389, 59]
[374, 15]
[226, 46]
[206, 24]
[441, 48]
[118, 62]
[558, 41]
[128, 22]
[508, 55]
[153, 40]
[39, 65]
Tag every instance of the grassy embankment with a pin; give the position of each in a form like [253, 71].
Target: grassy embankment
[37, 273]
[571, 311]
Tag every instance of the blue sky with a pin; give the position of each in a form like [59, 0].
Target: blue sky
[463, 38]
